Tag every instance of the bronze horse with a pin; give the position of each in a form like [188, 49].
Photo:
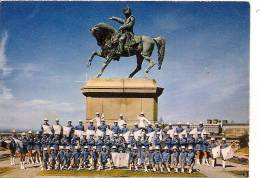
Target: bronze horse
[142, 48]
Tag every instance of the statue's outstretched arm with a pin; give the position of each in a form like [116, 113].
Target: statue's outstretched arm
[117, 19]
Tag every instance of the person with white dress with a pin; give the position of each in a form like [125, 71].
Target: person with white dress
[121, 121]
[97, 118]
[143, 121]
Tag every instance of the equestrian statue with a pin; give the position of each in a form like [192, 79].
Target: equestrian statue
[124, 43]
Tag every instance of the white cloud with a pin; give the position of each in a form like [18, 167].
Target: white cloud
[4, 69]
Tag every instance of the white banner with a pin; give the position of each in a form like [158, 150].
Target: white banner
[126, 136]
[66, 131]
[216, 152]
[120, 159]
[227, 153]
[57, 129]
[79, 133]
[46, 129]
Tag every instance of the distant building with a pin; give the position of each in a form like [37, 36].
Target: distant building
[235, 130]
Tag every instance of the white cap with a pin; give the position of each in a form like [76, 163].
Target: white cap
[76, 147]
[45, 149]
[94, 147]
[97, 113]
[135, 148]
[56, 119]
[142, 113]
[114, 146]
[131, 134]
[175, 134]
[156, 123]
[115, 135]
[129, 146]
[45, 119]
[199, 133]
[69, 120]
[135, 124]
[80, 120]
[174, 147]
[115, 122]
[187, 123]
[120, 135]
[150, 148]
[170, 123]
[30, 132]
[103, 120]
[166, 148]
[158, 133]
[52, 148]
[157, 147]
[23, 133]
[190, 147]
[13, 130]
[67, 147]
[61, 147]
[91, 121]
[200, 122]
[224, 139]
[86, 146]
[143, 147]
[205, 133]
[120, 115]
[104, 146]
[179, 123]
[183, 147]
[212, 139]
[37, 132]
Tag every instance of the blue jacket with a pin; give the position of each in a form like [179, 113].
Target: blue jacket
[166, 157]
[157, 156]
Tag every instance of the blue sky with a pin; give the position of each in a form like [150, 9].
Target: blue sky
[44, 47]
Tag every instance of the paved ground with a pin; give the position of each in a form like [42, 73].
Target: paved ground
[216, 172]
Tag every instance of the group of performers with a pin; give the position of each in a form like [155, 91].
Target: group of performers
[154, 148]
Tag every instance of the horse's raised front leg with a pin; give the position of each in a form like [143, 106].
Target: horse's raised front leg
[95, 53]
[151, 64]
[105, 64]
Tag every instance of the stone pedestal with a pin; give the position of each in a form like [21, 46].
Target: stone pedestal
[126, 96]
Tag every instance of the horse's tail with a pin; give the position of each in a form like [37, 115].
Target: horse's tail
[160, 43]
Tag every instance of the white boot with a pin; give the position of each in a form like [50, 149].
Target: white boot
[136, 168]
[203, 161]
[145, 169]
[198, 161]
[190, 170]
[176, 170]
[21, 165]
[207, 162]
[161, 169]
[168, 169]
[182, 170]
[213, 163]
[154, 169]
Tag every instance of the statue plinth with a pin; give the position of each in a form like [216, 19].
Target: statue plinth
[126, 96]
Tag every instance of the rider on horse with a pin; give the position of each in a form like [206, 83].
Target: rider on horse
[125, 33]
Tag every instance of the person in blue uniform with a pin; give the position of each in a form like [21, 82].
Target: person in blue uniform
[182, 158]
[176, 140]
[201, 127]
[133, 159]
[157, 140]
[107, 142]
[157, 156]
[85, 157]
[91, 125]
[157, 127]
[168, 141]
[124, 128]
[55, 142]
[93, 158]
[23, 150]
[103, 127]
[188, 129]
[166, 159]
[30, 147]
[135, 128]
[67, 158]
[149, 128]
[190, 140]
[122, 143]
[80, 126]
[83, 141]
[74, 141]
[37, 148]
[179, 128]
[91, 141]
[150, 164]
[52, 159]
[205, 145]
[223, 145]
[175, 158]
[45, 159]
[60, 158]
[115, 128]
[99, 143]
[145, 142]
[105, 159]
[142, 156]
[183, 140]
[72, 128]
[132, 140]
[75, 158]
[211, 146]
[198, 148]
[190, 159]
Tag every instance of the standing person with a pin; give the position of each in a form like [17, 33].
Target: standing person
[133, 159]
[211, 146]
[99, 143]
[190, 140]
[97, 118]
[37, 148]
[149, 128]
[157, 140]
[157, 156]
[85, 157]
[23, 150]
[157, 127]
[143, 121]
[175, 158]
[121, 121]
[91, 125]
[201, 127]
[168, 141]
[205, 150]
[166, 159]
[52, 159]
[75, 158]
[83, 141]
[175, 140]
[104, 159]
[91, 141]
[199, 146]
[222, 146]
[103, 127]
[150, 159]
[30, 146]
[142, 156]
[67, 158]
[80, 126]
[107, 142]
[93, 158]
[13, 147]
[135, 128]
[60, 158]
[188, 129]
[183, 140]
[45, 159]
[46, 128]
[182, 159]
[190, 159]
[115, 128]
[179, 128]
[124, 129]
[57, 128]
